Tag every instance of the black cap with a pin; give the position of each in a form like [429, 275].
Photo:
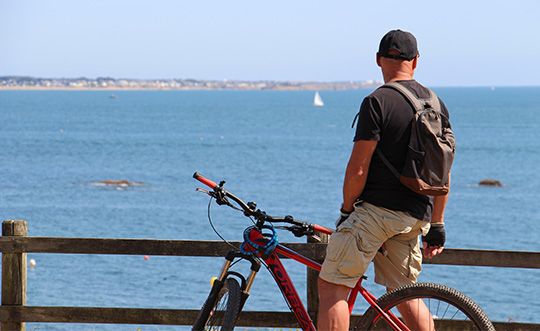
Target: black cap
[398, 44]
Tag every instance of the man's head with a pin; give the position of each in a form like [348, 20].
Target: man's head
[399, 45]
[397, 55]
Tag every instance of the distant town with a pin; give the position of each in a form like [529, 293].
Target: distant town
[108, 83]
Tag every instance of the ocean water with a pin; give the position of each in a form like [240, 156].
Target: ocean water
[271, 147]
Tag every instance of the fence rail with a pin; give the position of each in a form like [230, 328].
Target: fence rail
[14, 245]
[462, 257]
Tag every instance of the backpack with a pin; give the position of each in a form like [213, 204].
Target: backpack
[431, 146]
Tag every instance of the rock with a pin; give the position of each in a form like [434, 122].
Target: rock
[490, 182]
[118, 183]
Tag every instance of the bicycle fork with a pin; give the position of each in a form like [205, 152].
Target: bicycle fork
[246, 284]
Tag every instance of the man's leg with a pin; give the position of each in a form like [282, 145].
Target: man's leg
[401, 264]
[348, 254]
[333, 307]
[416, 315]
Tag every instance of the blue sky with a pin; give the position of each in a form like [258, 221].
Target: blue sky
[462, 43]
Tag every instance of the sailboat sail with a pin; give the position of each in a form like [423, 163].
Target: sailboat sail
[317, 100]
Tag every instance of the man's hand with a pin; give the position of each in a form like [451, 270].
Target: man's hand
[433, 242]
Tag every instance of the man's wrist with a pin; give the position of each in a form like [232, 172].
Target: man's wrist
[343, 210]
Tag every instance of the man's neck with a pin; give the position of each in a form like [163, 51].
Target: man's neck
[398, 76]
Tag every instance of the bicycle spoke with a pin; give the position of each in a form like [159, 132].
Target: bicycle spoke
[447, 307]
[454, 315]
[221, 306]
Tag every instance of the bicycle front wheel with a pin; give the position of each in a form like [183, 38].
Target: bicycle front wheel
[221, 309]
[448, 309]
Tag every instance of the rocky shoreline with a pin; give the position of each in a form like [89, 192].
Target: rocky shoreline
[112, 84]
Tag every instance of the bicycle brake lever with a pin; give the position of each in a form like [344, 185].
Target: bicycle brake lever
[199, 189]
[220, 195]
[282, 227]
[220, 200]
[315, 237]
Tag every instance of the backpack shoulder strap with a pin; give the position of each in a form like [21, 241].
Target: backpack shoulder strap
[434, 101]
[415, 102]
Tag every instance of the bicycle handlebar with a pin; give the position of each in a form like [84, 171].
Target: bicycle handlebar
[221, 195]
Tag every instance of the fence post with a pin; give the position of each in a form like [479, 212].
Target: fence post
[13, 274]
[312, 276]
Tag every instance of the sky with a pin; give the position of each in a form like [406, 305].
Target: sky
[461, 43]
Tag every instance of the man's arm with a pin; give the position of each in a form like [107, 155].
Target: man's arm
[439, 203]
[437, 217]
[357, 172]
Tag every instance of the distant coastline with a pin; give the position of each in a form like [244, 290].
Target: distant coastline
[114, 84]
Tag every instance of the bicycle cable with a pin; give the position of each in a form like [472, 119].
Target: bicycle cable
[241, 210]
[235, 262]
[213, 227]
[272, 242]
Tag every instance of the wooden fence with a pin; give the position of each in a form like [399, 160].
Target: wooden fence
[15, 244]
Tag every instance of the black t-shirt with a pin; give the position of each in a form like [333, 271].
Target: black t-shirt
[386, 116]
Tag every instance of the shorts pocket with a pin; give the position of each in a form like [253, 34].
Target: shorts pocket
[340, 243]
[415, 262]
[354, 263]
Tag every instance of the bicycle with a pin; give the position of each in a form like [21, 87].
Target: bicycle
[260, 247]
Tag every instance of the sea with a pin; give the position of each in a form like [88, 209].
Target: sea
[272, 147]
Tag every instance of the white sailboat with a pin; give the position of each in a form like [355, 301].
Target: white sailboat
[317, 100]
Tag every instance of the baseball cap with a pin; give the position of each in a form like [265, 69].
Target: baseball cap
[401, 41]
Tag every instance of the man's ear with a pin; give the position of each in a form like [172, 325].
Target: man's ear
[378, 59]
[415, 62]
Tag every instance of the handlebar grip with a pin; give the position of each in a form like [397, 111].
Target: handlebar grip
[204, 180]
[321, 229]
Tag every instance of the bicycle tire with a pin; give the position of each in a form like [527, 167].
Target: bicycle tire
[221, 308]
[478, 320]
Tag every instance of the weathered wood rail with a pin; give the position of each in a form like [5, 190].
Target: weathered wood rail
[15, 244]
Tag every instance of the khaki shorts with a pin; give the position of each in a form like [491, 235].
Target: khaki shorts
[358, 239]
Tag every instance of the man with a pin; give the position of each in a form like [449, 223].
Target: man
[381, 219]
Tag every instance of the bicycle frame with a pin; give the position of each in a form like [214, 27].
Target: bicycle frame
[280, 275]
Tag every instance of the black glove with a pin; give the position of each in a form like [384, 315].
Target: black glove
[436, 235]
[343, 215]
